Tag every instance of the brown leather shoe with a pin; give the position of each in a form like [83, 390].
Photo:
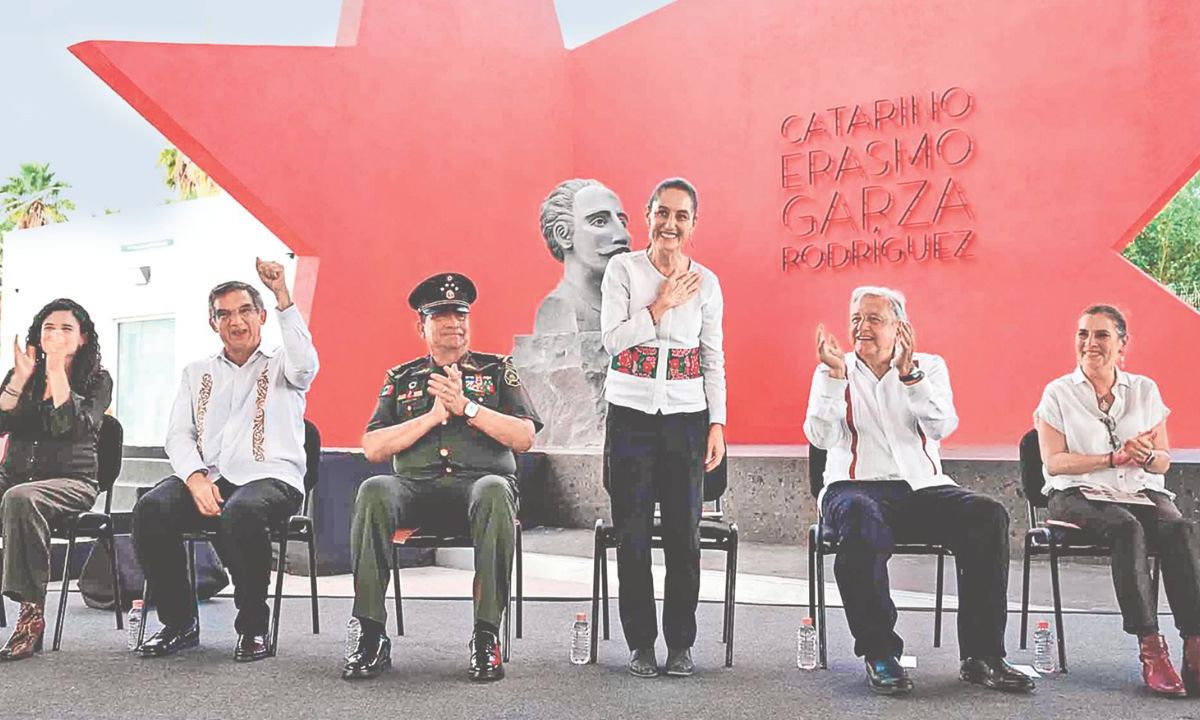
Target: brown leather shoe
[1157, 670]
[26, 638]
[1191, 665]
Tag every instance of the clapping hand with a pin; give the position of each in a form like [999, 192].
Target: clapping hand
[830, 353]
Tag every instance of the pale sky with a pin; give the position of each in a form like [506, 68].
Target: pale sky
[58, 111]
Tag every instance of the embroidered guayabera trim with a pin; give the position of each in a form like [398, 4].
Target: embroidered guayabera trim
[202, 409]
[260, 417]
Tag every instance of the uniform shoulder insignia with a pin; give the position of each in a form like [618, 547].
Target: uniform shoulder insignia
[406, 367]
[510, 373]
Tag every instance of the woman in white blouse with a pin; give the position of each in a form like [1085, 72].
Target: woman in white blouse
[660, 319]
[1101, 427]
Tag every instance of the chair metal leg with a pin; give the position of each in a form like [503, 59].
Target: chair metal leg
[506, 621]
[604, 583]
[145, 612]
[597, 558]
[726, 600]
[283, 547]
[812, 574]
[118, 606]
[821, 634]
[937, 613]
[312, 581]
[1058, 618]
[731, 604]
[192, 575]
[1025, 592]
[62, 596]
[396, 587]
[520, 582]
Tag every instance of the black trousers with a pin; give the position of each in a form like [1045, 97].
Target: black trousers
[1127, 529]
[243, 543]
[651, 458]
[869, 518]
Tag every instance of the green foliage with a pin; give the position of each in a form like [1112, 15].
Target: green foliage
[1168, 248]
[31, 199]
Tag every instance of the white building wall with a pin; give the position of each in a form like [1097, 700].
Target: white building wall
[189, 247]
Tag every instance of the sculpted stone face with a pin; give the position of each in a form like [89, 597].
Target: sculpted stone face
[599, 231]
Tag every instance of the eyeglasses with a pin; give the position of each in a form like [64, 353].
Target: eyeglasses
[245, 312]
[1111, 426]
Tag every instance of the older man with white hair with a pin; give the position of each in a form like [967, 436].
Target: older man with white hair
[881, 412]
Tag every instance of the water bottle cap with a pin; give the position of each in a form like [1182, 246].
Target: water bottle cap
[137, 604]
[806, 622]
[581, 617]
[1043, 625]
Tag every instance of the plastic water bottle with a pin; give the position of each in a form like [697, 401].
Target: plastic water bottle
[581, 637]
[353, 632]
[1043, 648]
[135, 623]
[806, 645]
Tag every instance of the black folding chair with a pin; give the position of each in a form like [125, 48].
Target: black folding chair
[1056, 540]
[418, 538]
[716, 533]
[298, 528]
[822, 543]
[94, 524]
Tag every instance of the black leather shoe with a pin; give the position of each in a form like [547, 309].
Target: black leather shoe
[250, 648]
[372, 656]
[886, 677]
[995, 673]
[642, 663]
[679, 662]
[169, 640]
[485, 656]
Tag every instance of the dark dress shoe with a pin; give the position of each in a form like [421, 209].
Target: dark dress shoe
[642, 663]
[250, 648]
[485, 656]
[886, 677]
[995, 673]
[372, 656]
[679, 662]
[170, 640]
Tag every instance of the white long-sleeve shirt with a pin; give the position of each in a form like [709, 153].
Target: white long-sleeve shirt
[1069, 406]
[246, 423]
[880, 428]
[676, 366]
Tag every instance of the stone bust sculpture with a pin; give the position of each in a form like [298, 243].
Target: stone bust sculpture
[583, 224]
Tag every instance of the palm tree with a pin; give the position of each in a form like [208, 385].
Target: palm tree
[32, 199]
[184, 176]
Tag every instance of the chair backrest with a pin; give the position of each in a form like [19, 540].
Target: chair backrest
[312, 460]
[110, 445]
[1032, 479]
[816, 469]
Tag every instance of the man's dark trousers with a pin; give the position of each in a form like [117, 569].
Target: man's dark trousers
[243, 543]
[868, 518]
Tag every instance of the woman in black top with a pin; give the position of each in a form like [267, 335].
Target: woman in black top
[51, 406]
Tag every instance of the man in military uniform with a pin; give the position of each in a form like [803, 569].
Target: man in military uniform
[450, 422]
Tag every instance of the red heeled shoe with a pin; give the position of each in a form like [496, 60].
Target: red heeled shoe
[1157, 670]
[26, 638]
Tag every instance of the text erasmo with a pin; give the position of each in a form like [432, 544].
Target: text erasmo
[876, 182]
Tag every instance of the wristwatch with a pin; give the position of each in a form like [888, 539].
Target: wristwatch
[471, 410]
[913, 376]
